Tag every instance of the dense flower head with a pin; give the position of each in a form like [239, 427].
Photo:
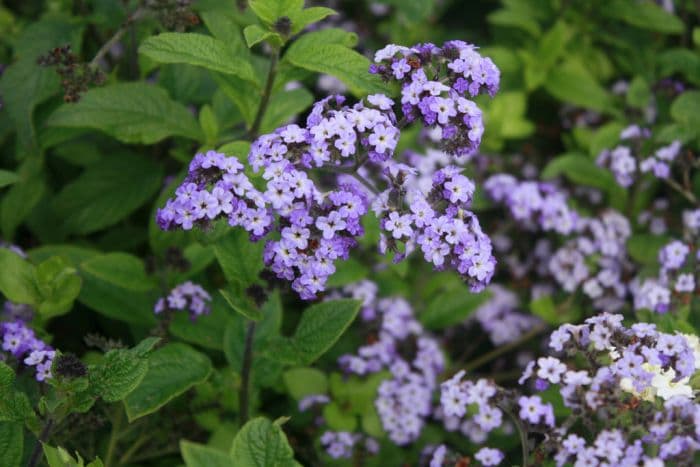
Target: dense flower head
[436, 83]
[404, 401]
[186, 296]
[439, 223]
[535, 204]
[635, 155]
[21, 342]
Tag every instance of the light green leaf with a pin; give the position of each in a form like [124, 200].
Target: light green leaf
[121, 269]
[8, 178]
[644, 248]
[571, 82]
[311, 52]
[120, 371]
[198, 455]
[240, 259]
[321, 325]
[11, 444]
[59, 286]
[131, 112]
[254, 34]
[582, 170]
[515, 19]
[347, 272]
[638, 93]
[307, 16]
[242, 93]
[172, 370]
[644, 14]
[271, 10]
[261, 443]
[684, 109]
[451, 307]
[305, 381]
[107, 192]
[17, 278]
[284, 105]
[199, 50]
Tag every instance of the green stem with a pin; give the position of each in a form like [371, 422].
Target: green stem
[113, 437]
[686, 193]
[523, 435]
[43, 437]
[244, 394]
[497, 352]
[140, 441]
[107, 46]
[265, 99]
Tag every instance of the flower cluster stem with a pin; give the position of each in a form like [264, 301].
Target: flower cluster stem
[265, 99]
[244, 394]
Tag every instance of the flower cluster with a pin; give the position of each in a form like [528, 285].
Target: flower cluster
[448, 234]
[403, 347]
[595, 258]
[676, 278]
[537, 205]
[186, 296]
[499, 317]
[435, 82]
[341, 444]
[622, 160]
[21, 342]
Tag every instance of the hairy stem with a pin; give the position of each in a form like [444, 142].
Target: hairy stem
[135, 16]
[497, 352]
[244, 394]
[43, 437]
[113, 437]
[265, 100]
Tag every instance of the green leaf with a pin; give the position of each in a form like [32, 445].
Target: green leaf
[644, 14]
[545, 308]
[120, 371]
[339, 419]
[347, 272]
[209, 124]
[244, 94]
[644, 248]
[321, 325]
[121, 269]
[571, 82]
[22, 197]
[284, 105]
[271, 10]
[11, 444]
[8, 178]
[59, 286]
[237, 298]
[313, 52]
[254, 34]
[207, 331]
[515, 19]
[261, 443]
[679, 60]
[131, 112]
[116, 302]
[107, 192]
[582, 170]
[172, 370]
[305, 381]
[59, 457]
[684, 109]
[17, 278]
[199, 50]
[307, 16]
[198, 455]
[638, 93]
[451, 308]
[240, 259]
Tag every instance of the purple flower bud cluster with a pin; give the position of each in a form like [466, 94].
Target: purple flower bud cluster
[404, 348]
[448, 234]
[435, 81]
[21, 342]
[499, 318]
[186, 296]
[596, 259]
[622, 160]
[342, 444]
[653, 217]
[537, 205]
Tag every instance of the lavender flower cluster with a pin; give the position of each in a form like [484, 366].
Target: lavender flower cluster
[21, 342]
[536, 205]
[405, 400]
[448, 234]
[342, 444]
[186, 296]
[500, 318]
[623, 161]
[434, 82]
